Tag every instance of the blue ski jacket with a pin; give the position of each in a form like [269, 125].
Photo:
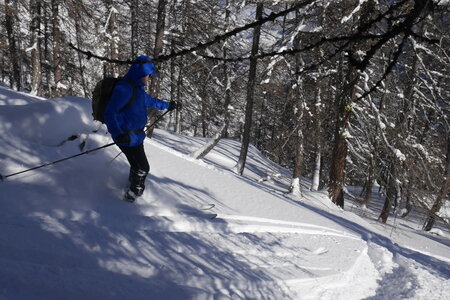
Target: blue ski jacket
[133, 119]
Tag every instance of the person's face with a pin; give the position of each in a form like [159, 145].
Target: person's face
[145, 79]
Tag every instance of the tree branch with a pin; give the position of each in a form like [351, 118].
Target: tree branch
[201, 46]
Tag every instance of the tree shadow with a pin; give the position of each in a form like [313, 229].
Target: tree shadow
[116, 251]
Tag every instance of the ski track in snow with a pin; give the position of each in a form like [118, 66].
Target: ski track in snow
[282, 255]
[60, 242]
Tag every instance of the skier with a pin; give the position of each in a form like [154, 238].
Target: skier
[127, 127]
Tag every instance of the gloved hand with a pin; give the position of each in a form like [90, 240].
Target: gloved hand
[123, 139]
[174, 105]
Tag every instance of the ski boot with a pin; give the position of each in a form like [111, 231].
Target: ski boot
[137, 185]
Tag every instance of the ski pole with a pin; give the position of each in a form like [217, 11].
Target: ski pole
[2, 177]
[55, 162]
[156, 121]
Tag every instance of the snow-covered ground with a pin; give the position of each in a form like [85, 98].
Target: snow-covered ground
[65, 233]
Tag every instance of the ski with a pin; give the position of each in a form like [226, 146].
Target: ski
[201, 211]
[203, 214]
[207, 206]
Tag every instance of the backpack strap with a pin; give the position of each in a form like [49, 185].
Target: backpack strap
[133, 131]
[133, 96]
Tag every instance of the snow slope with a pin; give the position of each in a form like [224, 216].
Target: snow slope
[66, 234]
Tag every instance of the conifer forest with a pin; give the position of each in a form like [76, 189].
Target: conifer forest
[342, 93]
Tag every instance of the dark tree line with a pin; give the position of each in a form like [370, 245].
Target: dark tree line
[342, 92]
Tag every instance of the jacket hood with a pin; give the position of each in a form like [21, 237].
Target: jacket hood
[141, 67]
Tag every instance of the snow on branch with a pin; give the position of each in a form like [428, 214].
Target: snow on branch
[387, 71]
[201, 46]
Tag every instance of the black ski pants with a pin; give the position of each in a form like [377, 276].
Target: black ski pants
[139, 167]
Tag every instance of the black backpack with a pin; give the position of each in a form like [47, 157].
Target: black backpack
[102, 93]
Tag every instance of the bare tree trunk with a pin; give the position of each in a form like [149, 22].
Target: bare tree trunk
[250, 94]
[10, 16]
[345, 101]
[173, 78]
[173, 86]
[57, 86]
[134, 7]
[111, 37]
[318, 134]
[370, 181]
[295, 187]
[387, 206]
[176, 82]
[80, 60]
[408, 205]
[298, 107]
[46, 55]
[3, 68]
[203, 151]
[204, 110]
[185, 19]
[443, 193]
[160, 25]
[369, 184]
[114, 38]
[178, 112]
[36, 74]
[337, 171]
[391, 194]
[159, 44]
